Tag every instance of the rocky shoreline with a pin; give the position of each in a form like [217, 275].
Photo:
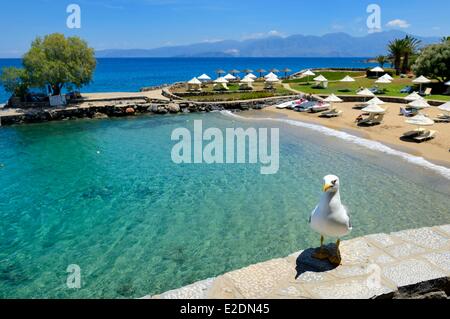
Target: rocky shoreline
[121, 108]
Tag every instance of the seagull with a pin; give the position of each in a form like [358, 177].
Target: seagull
[330, 218]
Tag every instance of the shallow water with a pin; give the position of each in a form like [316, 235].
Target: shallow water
[105, 195]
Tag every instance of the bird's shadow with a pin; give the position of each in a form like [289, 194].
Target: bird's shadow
[307, 263]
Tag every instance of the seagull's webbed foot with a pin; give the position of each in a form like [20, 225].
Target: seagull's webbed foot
[321, 253]
[336, 259]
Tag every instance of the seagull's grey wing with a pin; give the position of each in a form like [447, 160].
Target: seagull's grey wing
[312, 213]
[350, 225]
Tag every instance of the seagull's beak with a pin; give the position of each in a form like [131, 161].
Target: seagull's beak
[326, 187]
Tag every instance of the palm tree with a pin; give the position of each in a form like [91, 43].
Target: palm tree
[382, 60]
[411, 46]
[445, 39]
[396, 50]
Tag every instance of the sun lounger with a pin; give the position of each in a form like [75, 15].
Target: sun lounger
[319, 108]
[373, 119]
[427, 92]
[331, 113]
[428, 135]
[442, 119]
[407, 90]
[414, 133]
[408, 113]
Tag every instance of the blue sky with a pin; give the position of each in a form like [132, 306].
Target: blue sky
[154, 23]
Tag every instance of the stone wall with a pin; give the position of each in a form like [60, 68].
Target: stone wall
[130, 108]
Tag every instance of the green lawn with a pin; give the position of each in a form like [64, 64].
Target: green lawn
[330, 75]
[235, 96]
[339, 88]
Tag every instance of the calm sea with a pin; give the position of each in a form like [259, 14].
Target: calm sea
[106, 196]
[129, 75]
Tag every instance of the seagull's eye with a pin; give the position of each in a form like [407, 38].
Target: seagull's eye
[334, 182]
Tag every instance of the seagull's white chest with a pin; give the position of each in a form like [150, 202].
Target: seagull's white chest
[330, 217]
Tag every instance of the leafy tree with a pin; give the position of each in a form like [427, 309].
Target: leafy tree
[14, 81]
[382, 60]
[52, 62]
[434, 62]
[58, 62]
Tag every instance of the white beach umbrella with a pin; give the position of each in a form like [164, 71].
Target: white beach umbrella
[229, 77]
[308, 73]
[445, 107]
[420, 120]
[251, 76]
[333, 98]
[347, 79]
[221, 80]
[272, 79]
[320, 78]
[195, 81]
[421, 80]
[366, 93]
[412, 97]
[382, 80]
[204, 77]
[447, 83]
[271, 75]
[419, 104]
[377, 70]
[247, 80]
[376, 101]
[373, 108]
[387, 76]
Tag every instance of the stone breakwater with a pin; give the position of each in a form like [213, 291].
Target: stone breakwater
[122, 107]
[406, 264]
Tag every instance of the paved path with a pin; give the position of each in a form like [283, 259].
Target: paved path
[154, 94]
[371, 266]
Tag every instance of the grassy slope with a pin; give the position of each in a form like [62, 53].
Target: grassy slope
[393, 89]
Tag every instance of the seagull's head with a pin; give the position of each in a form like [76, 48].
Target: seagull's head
[330, 184]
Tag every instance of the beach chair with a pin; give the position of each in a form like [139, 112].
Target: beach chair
[408, 113]
[407, 90]
[442, 118]
[319, 107]
[331, 113]
[428, 135]
[373, 119]
[427, 92]
[413, 133]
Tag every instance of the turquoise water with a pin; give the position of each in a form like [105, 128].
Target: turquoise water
[105, 195]
[131, 74]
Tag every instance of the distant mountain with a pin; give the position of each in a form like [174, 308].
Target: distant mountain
[328, 45]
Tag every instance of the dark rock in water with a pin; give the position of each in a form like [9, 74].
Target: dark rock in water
[98, 115]
[125, 289]
[432, 289]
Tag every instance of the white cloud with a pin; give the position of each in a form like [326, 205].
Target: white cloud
[337, 27]
[262, 35]
[398, 23]
[436, 28]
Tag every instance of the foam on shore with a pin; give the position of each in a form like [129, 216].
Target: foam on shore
[373, 145]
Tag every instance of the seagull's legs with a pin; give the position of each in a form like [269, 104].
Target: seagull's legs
[321, 253]
[336, 258]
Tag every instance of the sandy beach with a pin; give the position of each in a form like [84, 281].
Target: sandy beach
[389, 133]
